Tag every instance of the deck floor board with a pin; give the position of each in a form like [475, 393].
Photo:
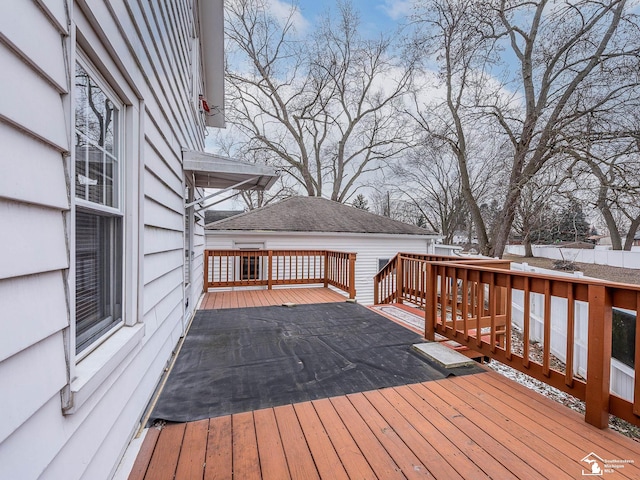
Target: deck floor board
[263, 298]
[273, 462]
[219, 459]
[458, 427]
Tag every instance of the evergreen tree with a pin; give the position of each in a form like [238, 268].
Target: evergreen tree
[572, 224]
[361, 202]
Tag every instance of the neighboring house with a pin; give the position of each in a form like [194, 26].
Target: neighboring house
[102, 125]
[308, 223]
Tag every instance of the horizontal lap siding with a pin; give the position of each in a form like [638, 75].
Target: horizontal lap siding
[43, 364]
[150, 44]
[33, 240]
[164, 228]
[33, 245]
[27, 320]
[26, 94]
[32, 171]
[197, 275]
[168, 127]
[18, 31]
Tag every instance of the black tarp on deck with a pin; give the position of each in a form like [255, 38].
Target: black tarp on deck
[236, 360]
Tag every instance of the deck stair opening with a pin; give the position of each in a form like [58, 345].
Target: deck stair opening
[442, 354]
[413, 318]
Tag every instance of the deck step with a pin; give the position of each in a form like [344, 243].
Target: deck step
[443, 355]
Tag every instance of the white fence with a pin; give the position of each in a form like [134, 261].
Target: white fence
[622, 376]
[442, 249]
[614, 258]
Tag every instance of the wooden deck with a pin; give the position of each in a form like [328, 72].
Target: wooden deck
[264, 297]
[477, 426]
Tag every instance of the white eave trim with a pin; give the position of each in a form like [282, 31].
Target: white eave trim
[212, 44]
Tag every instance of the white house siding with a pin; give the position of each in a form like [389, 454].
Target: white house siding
[368, 247]
[33, 205]
[144, 51]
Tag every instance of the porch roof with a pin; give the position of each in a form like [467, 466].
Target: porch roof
[214, 171]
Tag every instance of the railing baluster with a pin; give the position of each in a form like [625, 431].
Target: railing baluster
[526, 320]
[492, 311]
[546, 345]
[465, 303]
[443, 297]
[571, 311]
[636, 383]
[480, 311]
[454, 301]
[399, 281]
[508, 319]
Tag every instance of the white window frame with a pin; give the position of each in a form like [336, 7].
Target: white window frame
[255, 272]
[118, 211]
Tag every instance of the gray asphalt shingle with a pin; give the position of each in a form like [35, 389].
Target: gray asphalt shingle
[315, 214]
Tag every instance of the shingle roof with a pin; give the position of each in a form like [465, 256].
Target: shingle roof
[211, 216]
[315, 214]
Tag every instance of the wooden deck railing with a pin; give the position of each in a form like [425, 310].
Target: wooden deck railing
[471, 303]
[248, 268]
[403, 278]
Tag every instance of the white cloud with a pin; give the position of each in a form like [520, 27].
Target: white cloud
[281, 9]
[397, 9]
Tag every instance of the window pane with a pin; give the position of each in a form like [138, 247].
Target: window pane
[98, 276]
[81, 170]
[97, 120]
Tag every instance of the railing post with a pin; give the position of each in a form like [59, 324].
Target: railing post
[205, 285]
[599, 356]
[326, 269]
[399, 280]
[430, 308]
[270, 270]
[352, 275]
[376, 292]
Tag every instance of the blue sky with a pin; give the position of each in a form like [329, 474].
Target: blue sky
[375, 15]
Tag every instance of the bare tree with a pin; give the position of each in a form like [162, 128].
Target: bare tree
[537, 199]
[324, 106]
[609, 172]
[232, 145]
[563, 52]
[430, 179]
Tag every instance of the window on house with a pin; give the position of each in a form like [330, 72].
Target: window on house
[250, 267]
[382, 262]
[99, 209]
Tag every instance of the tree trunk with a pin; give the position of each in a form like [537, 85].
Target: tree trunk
[528, 249]
[616, 239]
[633, 228]
[503, 227]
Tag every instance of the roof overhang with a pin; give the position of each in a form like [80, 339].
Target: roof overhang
[213, 171]
[212, 44]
